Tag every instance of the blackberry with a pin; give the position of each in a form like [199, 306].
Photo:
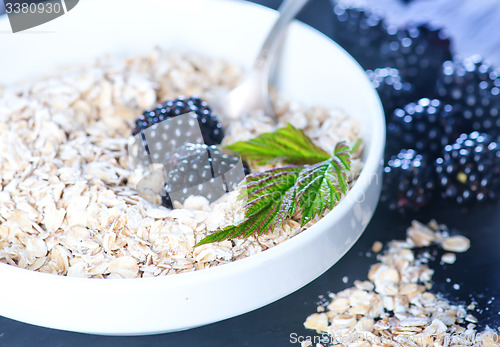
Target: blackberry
[473, 87]
[469, 169]
[418, 52]
[188, 166]
[211, 129]
[427, 125]
[408, 181]
[361, 33]
[392, 90]
[195, 164]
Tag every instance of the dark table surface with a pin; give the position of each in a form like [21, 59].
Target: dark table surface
[477, 271]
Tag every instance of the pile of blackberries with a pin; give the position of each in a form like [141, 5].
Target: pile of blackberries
[442, 112]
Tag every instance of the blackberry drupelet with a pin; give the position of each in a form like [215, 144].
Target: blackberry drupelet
[361, 33]
[221, 162]
[473, 87]
[188, 166]
[211, 129]
[392, 90]
[194, 164]
[469, 169]
[408, 181]
[427, 126]
[418, 52]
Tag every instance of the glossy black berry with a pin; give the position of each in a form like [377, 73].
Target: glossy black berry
[408, 181]
[427, 126]
[361, 33]
[469, 169]
[195, 164]
[188, 166]
[473, 87]
[392, 90]
[418, 52]
[211, 129]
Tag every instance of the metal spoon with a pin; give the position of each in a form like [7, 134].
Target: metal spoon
[253, 92]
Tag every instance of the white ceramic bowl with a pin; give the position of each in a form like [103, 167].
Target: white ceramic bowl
[314, 71]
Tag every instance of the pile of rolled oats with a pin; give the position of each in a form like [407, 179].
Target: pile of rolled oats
[68, 203]
[394, 306]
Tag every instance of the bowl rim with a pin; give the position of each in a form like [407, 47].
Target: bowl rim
[370, 168]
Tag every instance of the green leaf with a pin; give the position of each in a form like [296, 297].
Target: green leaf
[277, 194]
[321, 186]
[267, 192]
[289, 145]
[356, 146]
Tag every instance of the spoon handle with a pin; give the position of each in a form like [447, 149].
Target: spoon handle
[288, 10]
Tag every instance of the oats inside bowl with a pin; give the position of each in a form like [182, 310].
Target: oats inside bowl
[68, 203]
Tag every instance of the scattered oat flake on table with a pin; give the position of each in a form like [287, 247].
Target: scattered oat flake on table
[377, 246]
[448, 258]
[395, 308]
[456, 244]
[421, 234]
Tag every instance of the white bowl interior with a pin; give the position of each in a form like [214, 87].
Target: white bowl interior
[313, 71]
